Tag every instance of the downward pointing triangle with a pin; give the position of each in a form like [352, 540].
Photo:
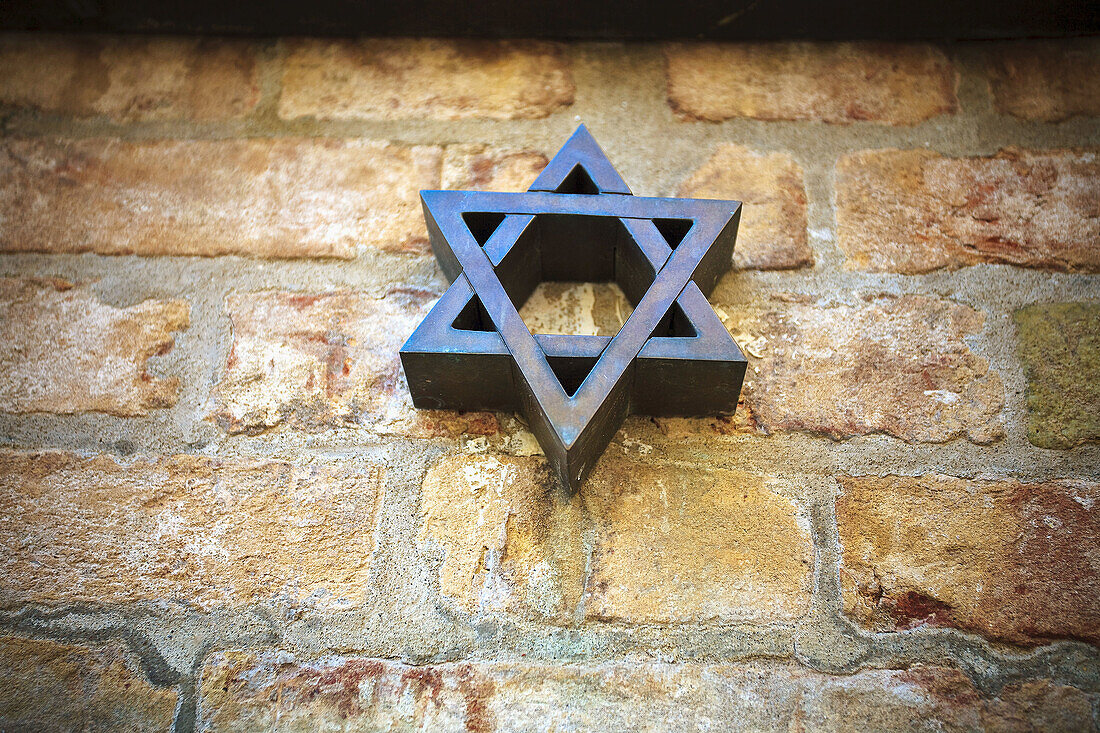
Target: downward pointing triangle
[482, 226]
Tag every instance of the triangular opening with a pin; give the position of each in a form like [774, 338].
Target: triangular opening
[473, 317]
[482, 224]
[578, 181]
[571, 371]
[675, 323]
[673, 230]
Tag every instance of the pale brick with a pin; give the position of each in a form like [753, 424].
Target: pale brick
[317, 361]
[261, 198]
[694, 544]
[483, 168]
[62, 350]
[1049, 81]
[1060, 348]
[510, 540]
[55, 686]
[893, 365]
[244, 692]
[1012, 561]
[185, 528]
[671, 545]
[913, 211]
[772, 232]
[397, 79]
[130, 78]
[593, 309]
[838, 82]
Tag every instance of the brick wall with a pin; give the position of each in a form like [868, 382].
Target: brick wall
[220, 512]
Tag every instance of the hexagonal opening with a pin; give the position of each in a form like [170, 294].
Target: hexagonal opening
[589, 265]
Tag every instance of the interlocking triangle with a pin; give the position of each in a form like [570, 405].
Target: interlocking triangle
[578, 221]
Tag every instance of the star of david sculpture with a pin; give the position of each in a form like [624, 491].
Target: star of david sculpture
[577, 222]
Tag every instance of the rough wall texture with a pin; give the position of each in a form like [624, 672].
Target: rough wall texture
[219, 511]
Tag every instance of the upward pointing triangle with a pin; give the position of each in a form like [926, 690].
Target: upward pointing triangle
[583, 152]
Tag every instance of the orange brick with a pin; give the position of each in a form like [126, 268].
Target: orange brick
[772, 232]
[1049, 81]
[130, 78]
[838, 82]
[395, 79]
[510, 542]
[261, 198]
[913, 211]
[679, 544]
[484, 168]
[50, 685]
[1012, 561]
[893, 365]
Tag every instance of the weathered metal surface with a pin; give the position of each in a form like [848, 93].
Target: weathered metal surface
[577, 222]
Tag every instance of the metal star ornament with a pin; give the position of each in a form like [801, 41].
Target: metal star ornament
[577, 222]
